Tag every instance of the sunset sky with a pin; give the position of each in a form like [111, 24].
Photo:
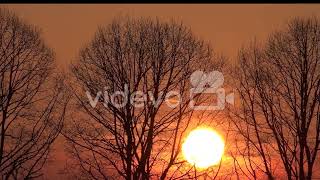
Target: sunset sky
[67, 28]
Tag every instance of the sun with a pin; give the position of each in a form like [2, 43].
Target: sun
[203, 148]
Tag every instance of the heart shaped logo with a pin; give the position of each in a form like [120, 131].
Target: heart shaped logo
[214, 79]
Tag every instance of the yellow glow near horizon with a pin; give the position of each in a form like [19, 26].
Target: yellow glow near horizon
[203, 148]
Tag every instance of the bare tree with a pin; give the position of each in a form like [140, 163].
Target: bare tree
[279, 86]
[141, 138]
[30, 114]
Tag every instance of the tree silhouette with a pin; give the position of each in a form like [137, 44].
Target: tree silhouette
[279, 85]
[139, 140]
[31, 108]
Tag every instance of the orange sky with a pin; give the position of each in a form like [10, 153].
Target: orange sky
[66, 28]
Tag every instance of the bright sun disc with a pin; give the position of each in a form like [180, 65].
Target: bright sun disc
[203, 147]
